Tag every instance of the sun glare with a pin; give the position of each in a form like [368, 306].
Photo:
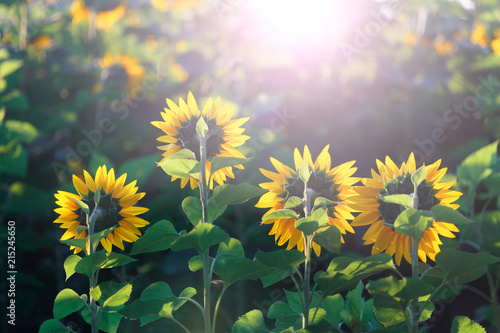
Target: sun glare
[297, 22]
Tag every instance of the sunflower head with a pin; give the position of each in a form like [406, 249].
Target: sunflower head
[122, 69]
[223, 138]
[380, 215]
[115, 209]
[107, 12]
[334, 184]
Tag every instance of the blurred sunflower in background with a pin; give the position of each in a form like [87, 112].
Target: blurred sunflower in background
[333, 184]
[174, 5]
[179, 125]
[375, 213]
[107, 12]
[116, 209]
[123, 70]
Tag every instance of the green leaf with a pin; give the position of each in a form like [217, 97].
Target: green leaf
[231, 249]
[293, 202]
[203, 236]
[477, 166]
[281, 214]
[101, 259]
[324, 202]
[447, 214]
[462, 324]
[274, 277]
[399, 199]
[201, 127]
[229, 194]
[353, 307]
[308, 225]
[193, 209]
[119, 298]
[218, 163]
[109, 321]
[252, 321]
[21, 130]
[157, 237]
[393, 296]
[82, 205]
[344, 273]
[78, 242]
[413, 222]
[285, 316]
[139, 168]
[195, 263]
[293, 299]
[283, 260]
[8, 67]
[53, 326]
[13, 159]
[329, 238]
[461, 267]
[96, 237]
[333, 306]
[304, 172]
[419, 176]
[70, 264]
[67, 302]
[231, 270]
[179, 167]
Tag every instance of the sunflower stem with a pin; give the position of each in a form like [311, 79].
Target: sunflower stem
[415, 311]
[307, 263]
[94, 317]
[216, 310]
[207, 272]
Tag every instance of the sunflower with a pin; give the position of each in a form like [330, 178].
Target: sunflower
[179, 125]
[107, 13]
[175, 5]
[116, 209]
[377, 214]
[479, 35]
[331, 183]
[123, 68]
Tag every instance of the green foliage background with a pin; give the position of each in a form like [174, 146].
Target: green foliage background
[416, 83]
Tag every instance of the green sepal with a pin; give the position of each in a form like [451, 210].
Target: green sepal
[96, 237]
[419, 176]
[293, 202]
[201, 127]
[304, 172]
[78, 242]
[83, 206]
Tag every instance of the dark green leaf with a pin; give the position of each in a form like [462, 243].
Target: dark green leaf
[158, 237]
[13, 159]
[78, 242]
[344, 273]
[285, 261]
[82, 205]
[193, 209]
[53, 326]
[21, 130]
[217, 163]
[477, 166]
[333, 306]
[109, 321]
[461, 267]
[96, 237]
[101, 259]
[229, 194]
[329, 238]
[203, 236]
[231, 270]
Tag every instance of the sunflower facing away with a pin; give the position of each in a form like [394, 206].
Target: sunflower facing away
[393, 180]
[331, 183]
[107, 12]
[123, 69]
[116, 207]
[179, 125]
